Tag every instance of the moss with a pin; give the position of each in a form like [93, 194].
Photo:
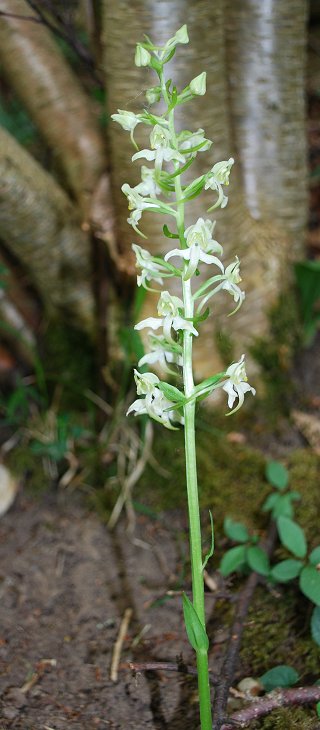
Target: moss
[304, 468]
[230, 476]
[274, 354]
[298, 718]
[274, 635]
[28, 467]
[68, 360]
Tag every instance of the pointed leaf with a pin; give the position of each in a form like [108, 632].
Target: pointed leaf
[172, 393]
[314, 557]
[233, 560]
[211, 551]
[315, 625]
[283, 507]
[235, 530]
[292, 536]
[310, 583]
[168, 233]
[270, 502]
[277, 474]
[281, 676]
[258, 560]
[195, 630]
[286, 570]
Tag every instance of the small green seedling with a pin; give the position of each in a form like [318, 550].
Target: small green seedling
[249, 555]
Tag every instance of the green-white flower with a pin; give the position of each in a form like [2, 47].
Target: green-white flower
[161, 352]
[137, 204]
[150, 269]
[127, 120]
[169, 310]
[200, 246]
[218, 176]
[232, 279]
[161, 150]
[193, 141]
[237, 384]
[148, 185]
[154, 403]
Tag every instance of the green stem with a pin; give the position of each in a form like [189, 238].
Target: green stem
[190, 452]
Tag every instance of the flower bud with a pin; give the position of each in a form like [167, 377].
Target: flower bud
[153, 95]
[181, 36]
[198, 84]
[142, 56]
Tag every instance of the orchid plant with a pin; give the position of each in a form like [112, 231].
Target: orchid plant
[162, 190]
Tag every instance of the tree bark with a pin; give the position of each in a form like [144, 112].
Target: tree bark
[54, 99]
[40, 226]
[266, 43]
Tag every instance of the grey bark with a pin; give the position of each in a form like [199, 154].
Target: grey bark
[41, 228]
[50, 91]
[266, 52]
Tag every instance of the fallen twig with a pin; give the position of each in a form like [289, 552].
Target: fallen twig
[118, 645]
[165, 667]
[276, 699]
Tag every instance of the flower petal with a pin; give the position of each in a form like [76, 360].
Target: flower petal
[152, 322]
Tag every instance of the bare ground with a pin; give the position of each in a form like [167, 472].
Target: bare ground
[65, 585]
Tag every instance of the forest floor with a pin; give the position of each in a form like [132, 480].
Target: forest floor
[67, 582]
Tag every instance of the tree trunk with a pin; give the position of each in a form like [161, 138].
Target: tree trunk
[266, 43]
[51, 93]
[41, 228]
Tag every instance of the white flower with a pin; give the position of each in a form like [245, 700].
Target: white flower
[148, 185]
[190, 140]
[198, 85]
[237, 384]
[150, 270]
[135, 200]
[160, 148]
[133, 221]
[200, 246]
[162, 352]
[221, 171]
[137, 204]
[154, 404]
[218, 176]
[169, 308]
[127, 120]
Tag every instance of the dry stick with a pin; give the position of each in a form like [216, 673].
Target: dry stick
[165, 667]
[279, 698]
[229, 665]
[118, 645]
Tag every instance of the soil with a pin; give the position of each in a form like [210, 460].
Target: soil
[65, 585]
